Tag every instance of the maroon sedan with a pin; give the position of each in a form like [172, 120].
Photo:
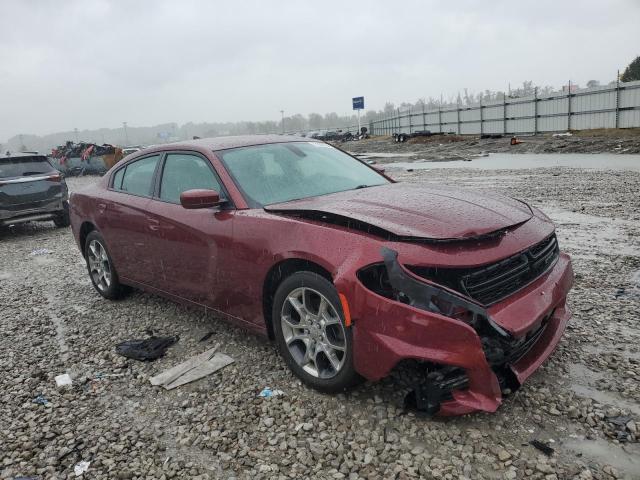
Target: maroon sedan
[351, 273]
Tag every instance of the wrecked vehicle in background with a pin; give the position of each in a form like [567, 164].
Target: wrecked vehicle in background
[31, 190]
[350, 272]
[403, 137]
[85, 158]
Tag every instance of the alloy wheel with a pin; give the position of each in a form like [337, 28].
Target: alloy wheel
[99, 266]
[313, 332]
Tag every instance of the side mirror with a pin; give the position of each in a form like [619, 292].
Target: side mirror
[200, 198]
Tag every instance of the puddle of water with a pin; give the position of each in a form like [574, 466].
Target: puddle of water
[606, 453]
[605, 398]
[497, 161]
[61, 331]
[384, 155]
[581, 380]
[43, 260]
[622, 351]
[589, 235]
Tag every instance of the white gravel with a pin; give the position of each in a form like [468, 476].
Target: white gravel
[53, 322]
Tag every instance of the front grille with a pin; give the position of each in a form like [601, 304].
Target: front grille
[501, 351]
[492, 283]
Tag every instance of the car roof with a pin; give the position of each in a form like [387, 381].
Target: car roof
[223, 143]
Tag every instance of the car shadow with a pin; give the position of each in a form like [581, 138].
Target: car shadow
[28, 229]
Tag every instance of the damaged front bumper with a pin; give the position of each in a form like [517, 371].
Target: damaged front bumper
[468, 360]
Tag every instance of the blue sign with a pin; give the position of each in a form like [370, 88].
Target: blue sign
[358, 103]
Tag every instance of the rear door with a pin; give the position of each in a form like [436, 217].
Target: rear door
[124, 219]
[29, 184]
[190, 243]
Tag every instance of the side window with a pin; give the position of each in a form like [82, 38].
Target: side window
[138, 176]
[117, 179]
[185, 172]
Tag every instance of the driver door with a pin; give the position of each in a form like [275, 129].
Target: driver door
[189, 243]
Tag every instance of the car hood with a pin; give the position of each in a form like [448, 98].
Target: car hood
[414, 211]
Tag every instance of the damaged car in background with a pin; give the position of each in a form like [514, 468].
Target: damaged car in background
[351, 273]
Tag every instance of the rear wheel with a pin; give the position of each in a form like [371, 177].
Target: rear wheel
[101, 270]
[310, 332]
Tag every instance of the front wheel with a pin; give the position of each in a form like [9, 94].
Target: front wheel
[311, 335]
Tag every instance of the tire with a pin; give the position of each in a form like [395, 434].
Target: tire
[62, 219]
[327, 339]
[100, 267]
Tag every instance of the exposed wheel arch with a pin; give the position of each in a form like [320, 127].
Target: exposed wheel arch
[276, 275]
[85, 229]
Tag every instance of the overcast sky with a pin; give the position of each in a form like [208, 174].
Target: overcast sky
[91, 64]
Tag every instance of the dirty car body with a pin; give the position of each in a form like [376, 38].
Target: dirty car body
[469, 287]
[31, 189]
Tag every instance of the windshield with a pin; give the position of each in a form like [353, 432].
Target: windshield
[279, 172]
[22, 166]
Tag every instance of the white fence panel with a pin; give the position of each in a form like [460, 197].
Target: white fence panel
[629, 118]
[491, 113]
[493, 127]
[629, 97]
[595, 102]
[593, 120]
[553, 107]
[585, 109]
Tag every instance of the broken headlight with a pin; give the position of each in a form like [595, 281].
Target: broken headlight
[390, 280]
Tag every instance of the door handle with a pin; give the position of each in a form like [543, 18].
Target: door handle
[154, 225]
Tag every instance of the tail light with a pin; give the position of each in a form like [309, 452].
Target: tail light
[55, 178]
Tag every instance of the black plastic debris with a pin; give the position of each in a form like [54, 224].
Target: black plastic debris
[207, 336]
[543, 447]
[620, 432]
[146, 350]
[620, 421]
[425, 398]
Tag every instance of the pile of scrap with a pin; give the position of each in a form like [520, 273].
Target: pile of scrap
[83, 158]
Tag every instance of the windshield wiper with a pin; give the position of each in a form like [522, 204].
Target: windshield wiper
[362, 186]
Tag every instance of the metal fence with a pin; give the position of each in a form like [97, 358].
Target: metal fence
[611, 106]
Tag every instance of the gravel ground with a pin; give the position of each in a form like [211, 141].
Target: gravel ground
[52, 322]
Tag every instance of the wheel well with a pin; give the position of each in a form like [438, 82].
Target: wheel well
[276, 275]
[85, 229]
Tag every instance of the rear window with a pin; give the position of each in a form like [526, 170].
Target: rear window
[138, 176]
[24, 166]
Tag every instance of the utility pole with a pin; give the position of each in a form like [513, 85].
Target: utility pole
[618, 99]
[126, 135]
[282, 113]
